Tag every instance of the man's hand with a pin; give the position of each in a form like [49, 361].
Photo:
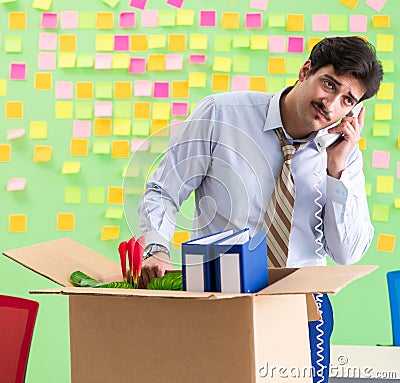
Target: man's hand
[350, 128]
[154, 267]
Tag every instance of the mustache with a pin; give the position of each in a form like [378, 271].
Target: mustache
[321, 108]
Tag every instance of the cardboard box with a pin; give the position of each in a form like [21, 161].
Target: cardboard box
[177, 336]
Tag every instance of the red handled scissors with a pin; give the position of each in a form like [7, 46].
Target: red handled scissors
[135, 248]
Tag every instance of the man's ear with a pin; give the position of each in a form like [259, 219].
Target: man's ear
[304, 70]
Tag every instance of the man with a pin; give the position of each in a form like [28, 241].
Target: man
[229, 153]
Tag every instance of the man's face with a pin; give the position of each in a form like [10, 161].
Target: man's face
[324, 97]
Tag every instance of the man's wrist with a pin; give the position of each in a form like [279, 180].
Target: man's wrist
[154, 248]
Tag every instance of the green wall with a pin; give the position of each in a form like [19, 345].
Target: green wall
[361, 310]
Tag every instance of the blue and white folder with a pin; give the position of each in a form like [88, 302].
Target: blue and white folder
[197, 262]
[241, 264]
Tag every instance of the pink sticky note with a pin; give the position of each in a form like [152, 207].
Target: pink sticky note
[49, 20]
[398, 170]
[103, 61]
[142, 88]
[320, 23]
[139, 145]
[175, 3]
[127, 20]
[64, 90]
[48, 41]
[175, 126]
[277, 44]
[141, 4]
[69, 20]
[81, 128]
[174, 62]
[16, 184]
[180, 109]
[47, 60]
[18, 71]
[15, 133]
[358, 23]
[150, 18]
[296, 44]
[240, 82]
[376, 4]
[197, 59]
[380, 159]
[262, 5]
[137, 65]
[161, 89]
[253, 20]
[103, 108]
[208, 18]
[121, 43]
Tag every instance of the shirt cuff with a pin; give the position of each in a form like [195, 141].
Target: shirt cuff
[155, 237]
[337, 190]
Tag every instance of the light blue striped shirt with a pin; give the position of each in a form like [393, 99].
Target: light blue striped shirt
[228, 153]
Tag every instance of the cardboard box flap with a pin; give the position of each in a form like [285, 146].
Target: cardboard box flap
[58, 259]
[318, 279]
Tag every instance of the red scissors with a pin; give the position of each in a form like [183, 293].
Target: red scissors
[135, 248]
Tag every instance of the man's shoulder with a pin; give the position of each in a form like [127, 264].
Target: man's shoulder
[242, 98]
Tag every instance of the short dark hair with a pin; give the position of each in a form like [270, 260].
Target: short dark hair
[349, 56]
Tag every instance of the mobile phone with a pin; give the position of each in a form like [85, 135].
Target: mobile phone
[328, 139]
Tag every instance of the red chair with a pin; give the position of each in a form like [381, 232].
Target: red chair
[17, 321]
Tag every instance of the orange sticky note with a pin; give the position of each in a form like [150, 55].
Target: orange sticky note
[138, 42]
[141, 110]
[349, 3]
[42, 153]
[65, 221]
[258, 83]
[159, 128]
[230, 20]
[386, 242]
[156, 62]
[180, 89]
[104, 20]
[220, 82]
[295, 23]
[43, 81]
[102, 127]
[123, 89]
[84, 90]
[177, 42]
[380, 21]
[109, 232]
[362, 144]
[14, 109]
[180, 237]
[79, 147]
[115, 195]
[17, 223]
[312, 41]
[17, 20]
[67, 43]
[120, 149]
[5, 152]
[276, 65]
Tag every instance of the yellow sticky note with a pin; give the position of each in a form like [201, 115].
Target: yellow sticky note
[157, 41]
[17, 223]
[120, 149]
[104, 20]
[67, 43]
[3, 87]
[102, 127]
[65, 221]
[386, 242]
[156, 62]
[122, 89]
[122, 127]
[66, 60]
[295, 23]
[42, 4]
[64, 109]
[5, 152]
[180, 237]
[177, 42]
[138, 42]
[161, 111]
[109, 232]
[258, 83]
[397, 203]
[276, 65]
[349, 3]
[185, 17]
[104, 42]
[159, 128]
[380, 21]
[384, 43]
[362, 144]
[115, 195]
[220, 82]
[383, 112]
[42, 153]
[386, 91]
[84, 90]
[222, 64]
[14, 109]
[38, 130]
[198, 41]
[197, 80]
[17, 20]
[71, 167]
[79, 147]
[141, 110]
[230, 20]
[258, 42]
[120, 61]
[43, 81]
[384, 184]
[311, 42]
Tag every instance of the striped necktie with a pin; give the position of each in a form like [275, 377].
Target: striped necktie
[278, 218]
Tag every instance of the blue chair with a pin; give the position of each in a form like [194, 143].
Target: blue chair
[393, 279]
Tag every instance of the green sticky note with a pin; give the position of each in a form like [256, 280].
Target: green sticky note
[293, 64]
[368, 189]
[13, 44]
[338, 23]
[8, 1]
[83, 110]
[122, 109]
[380, 213]
[111, 3]
[241, 41]
[158, 146]
[104, 89]
[166, 18]
[241, 64]
[274, 84]
[72, 195]
[101, 147]
[141, 127]
[114, 213]
[222, 43]
[380, 129]
[131, 170]
[84, 60]
[276, 20]
[388, 66]
[87, 20]
[96, 195]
